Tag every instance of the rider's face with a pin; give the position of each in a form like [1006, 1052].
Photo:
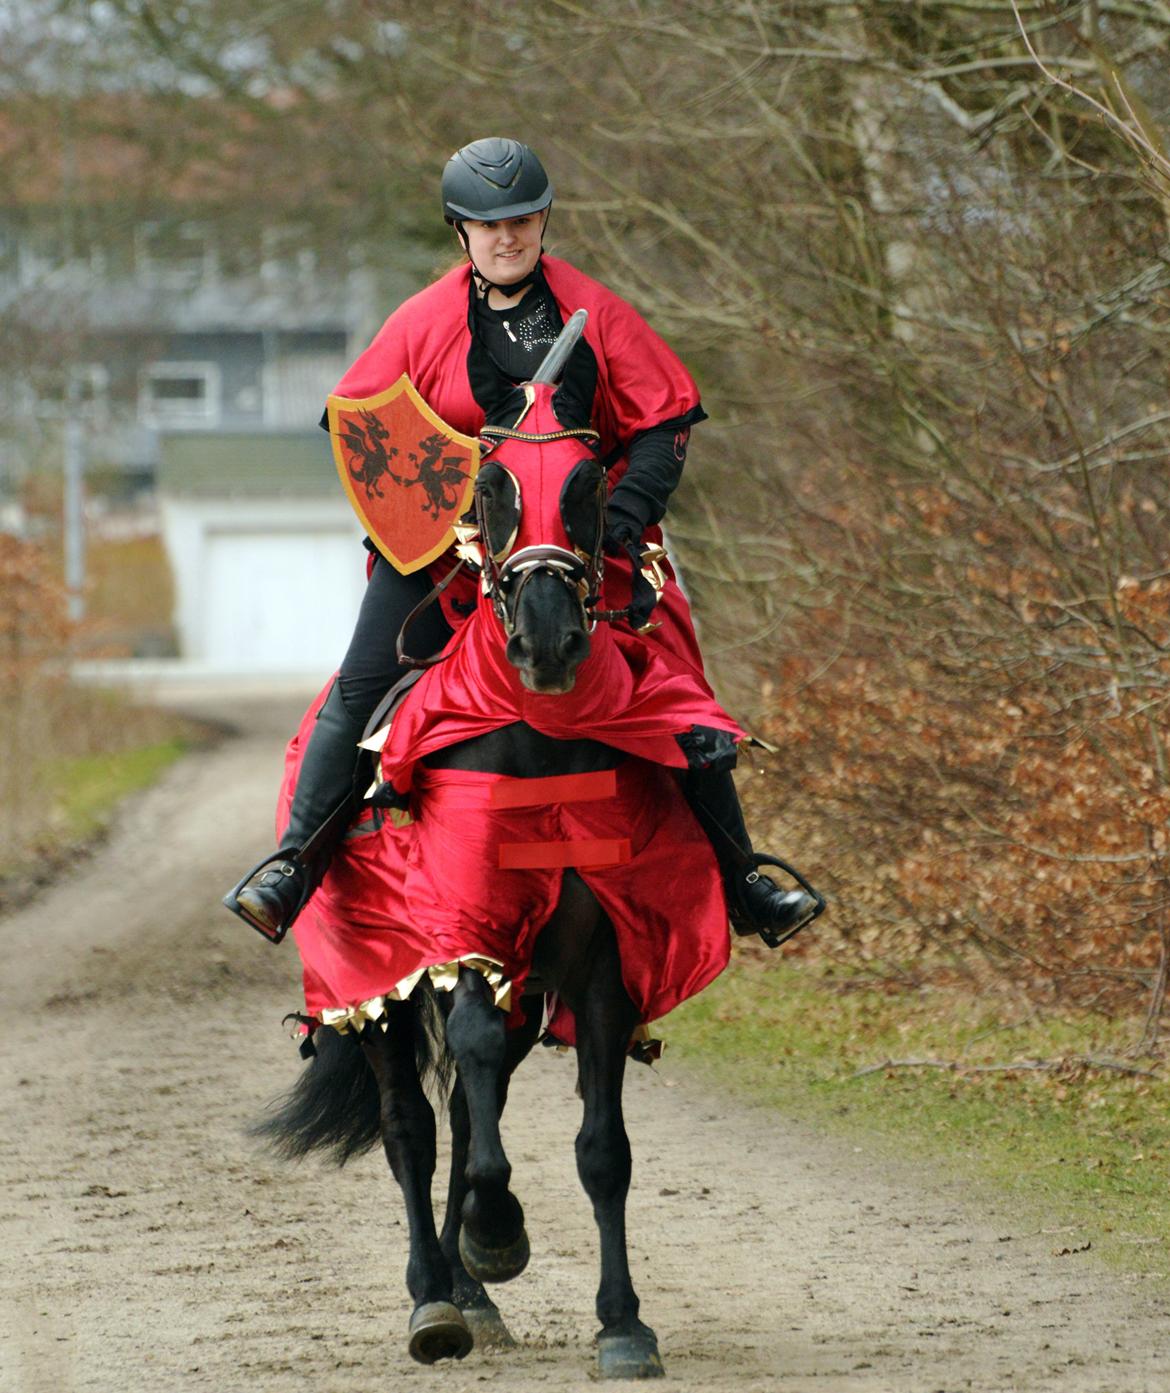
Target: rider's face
[507, 250]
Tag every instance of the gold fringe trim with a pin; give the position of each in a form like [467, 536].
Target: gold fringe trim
[443, 978]
[643, 1046]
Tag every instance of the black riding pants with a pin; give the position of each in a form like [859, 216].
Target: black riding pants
[370, 667]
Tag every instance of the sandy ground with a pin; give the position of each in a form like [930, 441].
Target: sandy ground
[145, 1243]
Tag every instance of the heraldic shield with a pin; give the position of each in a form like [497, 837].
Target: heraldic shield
[408, 475]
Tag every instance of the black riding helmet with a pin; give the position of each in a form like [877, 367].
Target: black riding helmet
[492, 179]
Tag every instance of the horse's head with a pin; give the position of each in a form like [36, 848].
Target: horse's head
[540, 507]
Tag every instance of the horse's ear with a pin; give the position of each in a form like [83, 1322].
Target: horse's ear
[581, 506]
[498, 496]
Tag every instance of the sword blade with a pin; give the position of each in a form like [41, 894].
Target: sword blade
[558, 355]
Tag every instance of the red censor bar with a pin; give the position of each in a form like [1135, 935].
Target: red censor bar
[560, 788]
[590, 853]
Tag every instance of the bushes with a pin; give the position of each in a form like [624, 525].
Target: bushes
[68, 753]
[33, 633]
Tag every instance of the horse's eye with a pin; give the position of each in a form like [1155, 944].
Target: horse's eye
[500, 495]
[581, 506]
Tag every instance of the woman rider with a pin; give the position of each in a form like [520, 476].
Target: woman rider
[465, 342]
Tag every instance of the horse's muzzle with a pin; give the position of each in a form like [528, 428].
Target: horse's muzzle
[544, 684]
[548, 664]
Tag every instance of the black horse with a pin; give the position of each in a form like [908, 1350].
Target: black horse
[358, 1090]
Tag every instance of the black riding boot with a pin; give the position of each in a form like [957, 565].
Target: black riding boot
[755, 903]
[273, 895]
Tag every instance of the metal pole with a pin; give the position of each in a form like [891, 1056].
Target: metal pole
[74, 520]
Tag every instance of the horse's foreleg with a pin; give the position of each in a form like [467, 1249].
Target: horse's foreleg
[605, 1018]
[437, 1328]
[478, 1309]
[492, 1240]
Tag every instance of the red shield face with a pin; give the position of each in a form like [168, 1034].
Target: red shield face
[408, 475]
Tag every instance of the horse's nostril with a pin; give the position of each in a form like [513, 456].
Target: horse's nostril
[517, 649]
[574, 646]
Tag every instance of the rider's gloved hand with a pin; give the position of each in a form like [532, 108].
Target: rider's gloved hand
[624, 523]
[624, 526]
[643, 596]
[621, 539]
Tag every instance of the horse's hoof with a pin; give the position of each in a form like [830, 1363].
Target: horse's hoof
[438, 1331]
[494, 1264]
[487, 1326]
[631, 1354]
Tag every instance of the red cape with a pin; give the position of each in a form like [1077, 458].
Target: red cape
[640, 380]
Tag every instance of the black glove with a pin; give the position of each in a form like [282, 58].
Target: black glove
[623, 527]
[643, 596]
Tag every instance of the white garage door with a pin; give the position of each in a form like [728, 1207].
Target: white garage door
[280, 601]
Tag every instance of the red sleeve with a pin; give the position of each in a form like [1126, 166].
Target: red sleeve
[412, 338]
[647, 382]
[641, 378]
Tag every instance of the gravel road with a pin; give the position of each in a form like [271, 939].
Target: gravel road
[146, 1243]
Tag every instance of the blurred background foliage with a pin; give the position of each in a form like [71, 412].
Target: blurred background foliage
[916, 254]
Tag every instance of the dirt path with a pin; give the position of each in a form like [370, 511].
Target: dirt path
[146, 1244]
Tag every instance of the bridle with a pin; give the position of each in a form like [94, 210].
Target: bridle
[506, 573]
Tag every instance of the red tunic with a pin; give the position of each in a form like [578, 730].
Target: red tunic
[641, 383]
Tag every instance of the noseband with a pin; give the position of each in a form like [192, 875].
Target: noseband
[581, 575]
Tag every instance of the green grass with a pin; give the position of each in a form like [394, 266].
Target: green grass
[85, 791]
[1073, 1147]
[56, 802]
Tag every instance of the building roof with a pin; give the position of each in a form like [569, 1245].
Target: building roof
[239, 464]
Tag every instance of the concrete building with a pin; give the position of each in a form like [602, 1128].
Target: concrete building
[200, 368]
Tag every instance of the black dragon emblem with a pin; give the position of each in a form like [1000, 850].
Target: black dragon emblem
[369, 455]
